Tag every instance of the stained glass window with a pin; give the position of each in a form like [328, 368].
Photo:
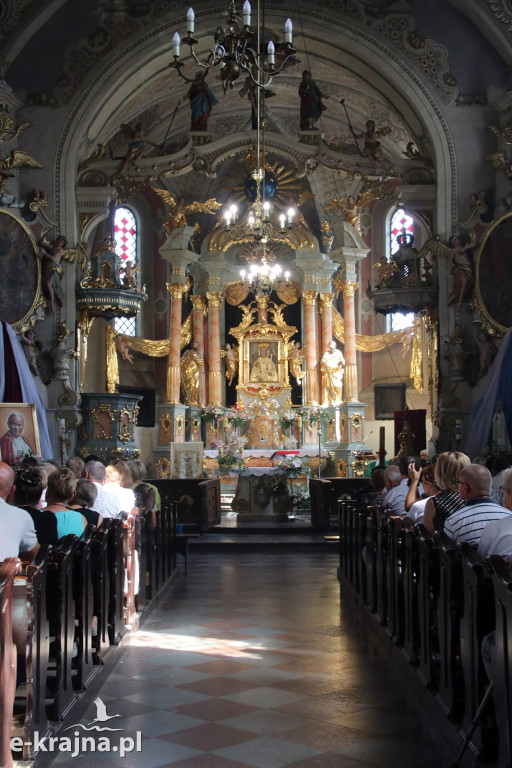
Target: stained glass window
[125, 233]
[401, 223]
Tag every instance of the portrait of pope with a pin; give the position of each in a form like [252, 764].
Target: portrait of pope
[13, 444]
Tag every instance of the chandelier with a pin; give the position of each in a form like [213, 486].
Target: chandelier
[264, 277]
[257, 223]
[237, 48]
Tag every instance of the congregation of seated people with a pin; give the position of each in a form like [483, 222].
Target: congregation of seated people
[41, 502]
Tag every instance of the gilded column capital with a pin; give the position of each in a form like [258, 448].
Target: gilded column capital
[214, 299]
[309, 298]
[325, 300]
[348, 287]
[198, 302]
[176, 290]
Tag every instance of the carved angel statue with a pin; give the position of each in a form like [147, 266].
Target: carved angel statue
[179, 211]
[137, 145]
[348, 208]
[52, 271]
[230, 355]
[459, 251]
[372, 148]
[351, 207]
[16, 159]
[295, 357]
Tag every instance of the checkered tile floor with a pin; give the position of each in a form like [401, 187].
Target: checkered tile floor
[253, 661]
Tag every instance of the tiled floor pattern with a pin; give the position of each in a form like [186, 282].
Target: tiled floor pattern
[253, 661]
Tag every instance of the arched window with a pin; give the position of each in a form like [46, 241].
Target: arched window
[400, 223]
[125, 233]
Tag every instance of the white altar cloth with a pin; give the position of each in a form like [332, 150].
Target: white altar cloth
[258, 453]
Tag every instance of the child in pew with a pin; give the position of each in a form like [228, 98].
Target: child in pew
[59, 494]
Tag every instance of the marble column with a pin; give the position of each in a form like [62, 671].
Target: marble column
[310, 347]
[173, 371]
[215, 390]
[325, 307]
[349, 288]
[199, 304]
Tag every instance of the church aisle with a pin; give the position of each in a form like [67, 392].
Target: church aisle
[249, 661]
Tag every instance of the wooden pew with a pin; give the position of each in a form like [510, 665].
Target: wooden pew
[9, 568]
[60, 610]
[200, 500]
[130, 567]
[450, 692]
[394, 577]
[371, 558]
[30, 630]
[502, 656]
[100, 592]
[83, 594]
[478, 619]
[114, 530]
[411, 640]
[431, 623]
[380, 567]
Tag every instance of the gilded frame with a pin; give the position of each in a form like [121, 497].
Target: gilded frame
[250, 350]
[20, 288]
[30, 431]
[493, 277]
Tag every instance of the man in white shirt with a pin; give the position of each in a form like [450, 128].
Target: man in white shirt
[396, 491]
[496, 539]
[106, 504]
[125, 496]
[18, 537]
[468, 523]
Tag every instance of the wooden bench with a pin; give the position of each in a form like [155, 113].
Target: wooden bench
[8, 570]
[182, 540]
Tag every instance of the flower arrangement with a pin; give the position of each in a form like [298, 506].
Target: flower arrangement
[230, 459]
[300, 497]
[237, 417]
[290, 417]
[315, 414]
[291, 467]
[212, 413]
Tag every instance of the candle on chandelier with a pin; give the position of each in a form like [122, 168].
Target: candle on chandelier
[176, 41]
[270, 52]
[288, 29]
[190, 20]
[247, 13]
[282, 220]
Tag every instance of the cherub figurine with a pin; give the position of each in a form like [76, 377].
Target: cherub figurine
[127, 273]
[52, 271]
[124, 349]
[28, 342]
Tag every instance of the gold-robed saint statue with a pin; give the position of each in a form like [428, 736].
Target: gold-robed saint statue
[230, 355]
[263, 368]
[332, 367]
[295, 356]
[191, 366]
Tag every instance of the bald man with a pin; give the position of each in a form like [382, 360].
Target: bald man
[18, 537]
[468, 523]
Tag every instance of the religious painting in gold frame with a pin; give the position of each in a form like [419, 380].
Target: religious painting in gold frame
[19, 433]
[20, 265]
[493, 277]
[263, 363]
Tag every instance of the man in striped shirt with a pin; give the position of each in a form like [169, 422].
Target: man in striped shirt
[468, 523]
